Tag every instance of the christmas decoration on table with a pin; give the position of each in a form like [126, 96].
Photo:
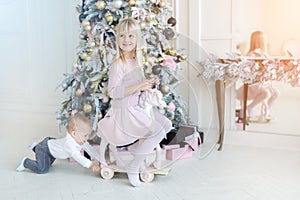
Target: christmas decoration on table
[86, 86]
[250, 70]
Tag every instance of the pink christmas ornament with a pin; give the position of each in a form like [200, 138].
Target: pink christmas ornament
[169, 62]
[171, 106]
[105, 99]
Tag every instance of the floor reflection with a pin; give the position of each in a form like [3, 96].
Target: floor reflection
[285, 113]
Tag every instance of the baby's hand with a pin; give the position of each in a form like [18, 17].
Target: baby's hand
[95, 167]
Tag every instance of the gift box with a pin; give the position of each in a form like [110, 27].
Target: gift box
[183, 149]
[239, 126]
[193, 142]
[179, 152]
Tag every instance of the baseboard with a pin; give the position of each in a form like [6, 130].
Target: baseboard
[267, 140]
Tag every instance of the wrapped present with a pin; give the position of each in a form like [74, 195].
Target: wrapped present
[239, 126]
[183, 149]
[179, 152]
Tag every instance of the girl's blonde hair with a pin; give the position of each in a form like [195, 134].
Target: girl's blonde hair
[127, 25]
[258, 41]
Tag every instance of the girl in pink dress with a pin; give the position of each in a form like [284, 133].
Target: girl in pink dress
[127, 121]
[263, 93]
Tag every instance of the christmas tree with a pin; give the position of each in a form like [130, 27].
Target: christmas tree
[86, 86]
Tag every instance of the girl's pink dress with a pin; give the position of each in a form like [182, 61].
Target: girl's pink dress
[127, 121]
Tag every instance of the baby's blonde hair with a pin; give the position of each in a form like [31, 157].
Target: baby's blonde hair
[78, 120]
[126, 25]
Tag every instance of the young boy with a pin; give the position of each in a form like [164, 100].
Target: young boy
[79, 129]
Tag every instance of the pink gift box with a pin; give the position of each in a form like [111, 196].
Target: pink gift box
[193, 143]
[175, 152]
[179, 153]
[171, 146]
[239, 126]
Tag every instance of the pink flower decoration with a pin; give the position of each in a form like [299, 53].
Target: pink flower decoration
[171, 106]
[169, 62]
[105, 99]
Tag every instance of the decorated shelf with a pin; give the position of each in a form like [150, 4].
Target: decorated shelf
[250, 70]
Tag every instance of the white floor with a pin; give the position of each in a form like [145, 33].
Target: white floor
[285, 113]
[238, 172]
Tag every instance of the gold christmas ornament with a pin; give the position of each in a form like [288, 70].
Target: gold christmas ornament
[85, 23]
[165, 89]
[83, 55]
[156, 10]
[162, 4]
[78, 92]
[183, 57]
[100, 116]
[89, 49]
[87, 28]
[145, 62]
[100, 5]
[171, 52]
[132, 3]
[87, 108]
[144, 51]
[154, 22]
[143, 25]
[109, 18]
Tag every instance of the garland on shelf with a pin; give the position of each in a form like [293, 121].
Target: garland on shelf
[251, 69]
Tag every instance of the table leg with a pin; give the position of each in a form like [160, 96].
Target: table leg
[245, 105]
[220, 98]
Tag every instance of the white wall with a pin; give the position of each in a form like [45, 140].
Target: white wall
[282, 22]
[38, 40]
[277, 18]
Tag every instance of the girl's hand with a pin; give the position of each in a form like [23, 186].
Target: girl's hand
[156, 80]
[95, 167]
[146, 84]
